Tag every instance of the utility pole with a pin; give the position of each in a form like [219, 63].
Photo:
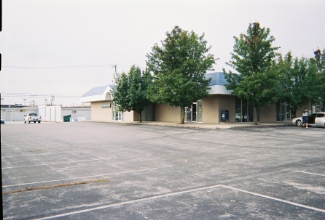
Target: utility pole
[52, 99]
[115, 74]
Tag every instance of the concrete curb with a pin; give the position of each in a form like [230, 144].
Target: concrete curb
[200, 125]
[212, 126]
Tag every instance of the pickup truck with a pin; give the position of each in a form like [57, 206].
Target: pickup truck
[32, 117]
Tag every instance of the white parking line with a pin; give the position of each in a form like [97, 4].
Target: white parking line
[129, 202]
[316, 174]
[183, 192]
[276, 199]
[83, 177]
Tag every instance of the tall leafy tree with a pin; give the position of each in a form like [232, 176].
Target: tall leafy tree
[179, 66]
[299, 80]
[320, 61]
[131, 91]
[311, 83]
[256, 80]
[284, 67]
[120, 93]
[291, 81]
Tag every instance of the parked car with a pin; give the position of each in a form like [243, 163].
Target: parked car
[32, 117]
[238, 117]
[316, 119]
[3, 121]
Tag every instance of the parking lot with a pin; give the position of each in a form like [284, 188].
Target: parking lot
[89, 170]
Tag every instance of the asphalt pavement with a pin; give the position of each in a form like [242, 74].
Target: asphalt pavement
[90, 170]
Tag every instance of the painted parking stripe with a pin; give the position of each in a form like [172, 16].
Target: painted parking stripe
[276, 199]
[317, 174]
[183, 192]
[130, 202]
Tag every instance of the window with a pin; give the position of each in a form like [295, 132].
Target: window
[318, 107]
[107, 105]
[244, 112]
[284, 111]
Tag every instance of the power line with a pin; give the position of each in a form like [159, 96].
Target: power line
[58, 67]
[18, 94]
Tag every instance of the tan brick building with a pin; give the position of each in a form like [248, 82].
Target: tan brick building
[208, 110]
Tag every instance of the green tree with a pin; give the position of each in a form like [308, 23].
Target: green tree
[311, 84]
[299, 80]
[284, 67]
[291, 82]
[320, 61]
[130, 92]
[252, 58]
[179, 68]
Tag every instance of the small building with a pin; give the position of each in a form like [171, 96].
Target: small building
[53, 113]
[16, 112]
[103, 109]
[77, 113]
[207, 110]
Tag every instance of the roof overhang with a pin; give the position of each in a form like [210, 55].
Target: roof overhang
[104, 95]
[219, 90]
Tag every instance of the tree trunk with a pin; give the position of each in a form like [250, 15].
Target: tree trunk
[140, 119]
[182, 115]
[255, 115]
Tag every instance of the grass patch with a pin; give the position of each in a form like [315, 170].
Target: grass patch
[56, 186]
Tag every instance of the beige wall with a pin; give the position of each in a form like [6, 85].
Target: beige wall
[163, 112]
[210, 110]
[212, 106]
[129, 116]
[106, 115]
[100, 114]
[268, 114]
[136, 116]
[227, 102]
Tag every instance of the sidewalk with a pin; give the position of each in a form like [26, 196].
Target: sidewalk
[191, 124]
[212, 126]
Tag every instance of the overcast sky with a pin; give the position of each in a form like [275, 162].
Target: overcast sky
[66, 47]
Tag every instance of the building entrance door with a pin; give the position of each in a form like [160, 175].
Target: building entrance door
[191, 113]
[194, 112]
[283, 111]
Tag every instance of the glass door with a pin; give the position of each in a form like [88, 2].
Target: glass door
[194, 111]
[117, 115]
[188, 114]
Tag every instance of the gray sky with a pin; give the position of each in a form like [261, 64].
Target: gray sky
[66, 47]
